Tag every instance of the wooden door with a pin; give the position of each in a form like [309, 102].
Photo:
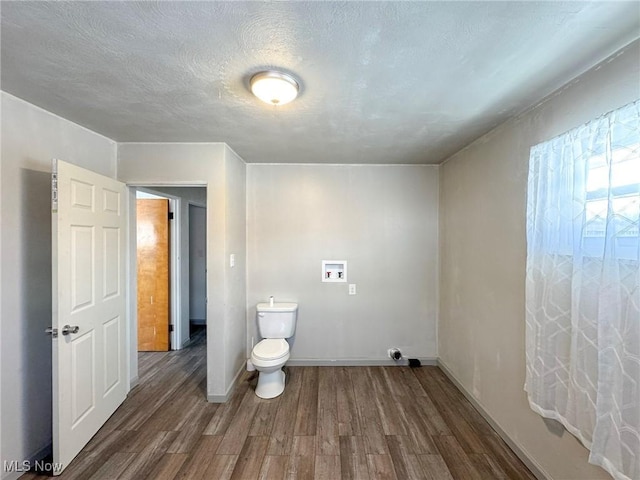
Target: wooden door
[153, 274]
[89, 227]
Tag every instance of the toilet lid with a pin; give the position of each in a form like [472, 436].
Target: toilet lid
[271, 348]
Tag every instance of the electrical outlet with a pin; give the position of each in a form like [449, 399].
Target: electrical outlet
[232, 260]
[352, 289]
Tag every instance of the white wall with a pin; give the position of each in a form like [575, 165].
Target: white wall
[383, 220]
[215, 166]
[2, 457]
[236, 277]
[483, 248]
[197, 267]
[31, 137]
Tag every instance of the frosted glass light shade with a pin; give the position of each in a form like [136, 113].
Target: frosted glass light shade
[274, 88]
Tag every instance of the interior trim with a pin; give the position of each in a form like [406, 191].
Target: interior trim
[522, 454]
[133, 382]
[224, 398]
[359, 362]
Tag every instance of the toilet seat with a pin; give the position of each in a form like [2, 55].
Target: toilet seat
[270, 349]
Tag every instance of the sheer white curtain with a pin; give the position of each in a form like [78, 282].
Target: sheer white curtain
[583, 287]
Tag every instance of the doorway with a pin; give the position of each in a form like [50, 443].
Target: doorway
[187, 261]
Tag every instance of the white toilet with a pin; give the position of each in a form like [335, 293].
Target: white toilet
[275, 323]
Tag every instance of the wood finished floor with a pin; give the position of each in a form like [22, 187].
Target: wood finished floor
[331, 423]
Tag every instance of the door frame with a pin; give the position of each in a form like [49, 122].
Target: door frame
[132, 271]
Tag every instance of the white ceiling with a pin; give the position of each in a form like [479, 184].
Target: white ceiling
[382, 82]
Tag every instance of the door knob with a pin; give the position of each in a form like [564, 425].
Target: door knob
[67, 329]
[52, 331]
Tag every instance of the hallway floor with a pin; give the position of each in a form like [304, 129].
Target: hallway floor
[331, 423]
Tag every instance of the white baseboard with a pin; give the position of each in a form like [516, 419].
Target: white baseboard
[42, 453]
[12, 475]
[224, 398]
[355, 362]
[521, 453]
[134, 382]
[315, 362]
[37, 456]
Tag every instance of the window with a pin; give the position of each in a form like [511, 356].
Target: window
[612, 192]
[583, 286]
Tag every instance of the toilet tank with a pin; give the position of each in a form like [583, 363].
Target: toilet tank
[277, 321]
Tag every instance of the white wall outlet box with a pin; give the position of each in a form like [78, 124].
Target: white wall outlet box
[334, 270]
[352, 289]
[232, 260]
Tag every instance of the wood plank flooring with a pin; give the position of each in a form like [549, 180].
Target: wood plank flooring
[333, 423]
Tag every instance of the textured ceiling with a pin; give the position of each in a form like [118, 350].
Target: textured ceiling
[382, 82]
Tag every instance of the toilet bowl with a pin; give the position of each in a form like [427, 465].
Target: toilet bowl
[268, 357]
[276, 323]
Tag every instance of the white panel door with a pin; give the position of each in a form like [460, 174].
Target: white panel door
[89, 352]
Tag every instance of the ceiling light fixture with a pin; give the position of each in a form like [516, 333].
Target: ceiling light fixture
[275, 88]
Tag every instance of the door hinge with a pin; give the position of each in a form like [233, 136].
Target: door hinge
[54, 186]
[171, 327]
[170, 215]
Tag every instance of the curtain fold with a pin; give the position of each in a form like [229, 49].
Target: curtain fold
[583, 287]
